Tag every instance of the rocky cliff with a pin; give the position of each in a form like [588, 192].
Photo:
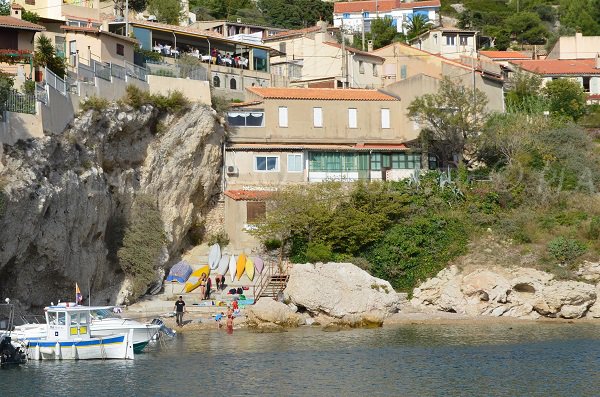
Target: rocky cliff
[68, 198]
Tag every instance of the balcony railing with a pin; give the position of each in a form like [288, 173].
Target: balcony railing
[18, 102]
[135, 71]
[55, 82]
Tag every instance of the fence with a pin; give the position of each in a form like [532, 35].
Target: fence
[180, 70]
[41, 94]
[85, 72]
[101, 70]
[118, 71]
[17, 102]
[135, 71]
[56, 82]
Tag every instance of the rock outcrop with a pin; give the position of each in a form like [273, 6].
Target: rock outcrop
[341, 292]
[268, 314]
[513, 292]
[68, 197]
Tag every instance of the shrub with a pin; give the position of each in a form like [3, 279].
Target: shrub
[142, 243]
[174, 103]
[318, 252]
[220, 238]
[594, 229]
[272, 244]
[29, 87]
[94, 103]
[565, 250]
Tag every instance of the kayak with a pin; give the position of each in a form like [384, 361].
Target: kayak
[223, 265]
[214, 256]
[240, 266]
[232, 262]
[258, 264]
[250, 268]
[196, 278]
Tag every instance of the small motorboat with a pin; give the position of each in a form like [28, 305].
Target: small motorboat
[68, 337]
[12, 353]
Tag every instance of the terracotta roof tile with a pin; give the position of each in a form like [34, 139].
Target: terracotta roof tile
[504, 54]
[178, 28]
[559, 66]
[249, 195]
[16, 23]
[353, 50]
[382, 5]
[295, 32]
[330, 94]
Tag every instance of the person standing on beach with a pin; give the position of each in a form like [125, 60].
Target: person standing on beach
[179, 310]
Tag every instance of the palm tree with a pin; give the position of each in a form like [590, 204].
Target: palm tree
[417, 25]
[45, 56]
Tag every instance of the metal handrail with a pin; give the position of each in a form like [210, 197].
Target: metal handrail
[55, 82]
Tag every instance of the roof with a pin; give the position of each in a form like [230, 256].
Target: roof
[16, 23]
[97, 31]
[330, 94]
[504, 54]
[354, 50]
[382, 5]
[317, 146]
[292, 33]
[249, 195]
[559, 66]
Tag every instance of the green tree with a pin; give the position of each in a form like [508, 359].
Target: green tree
[166, 11]
[527, 27]
[581, 15]
[6, 86]
[383, 32]
[454, 115]
[416, 26]
[524, 93]
[295, 13]
[4, 7]
[45, 56]
[566, 98]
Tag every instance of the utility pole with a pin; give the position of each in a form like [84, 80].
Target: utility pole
[473, 70]
[362, 12]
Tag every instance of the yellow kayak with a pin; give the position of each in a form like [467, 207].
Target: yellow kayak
[250, 268]
[196, 278]
[240, 266]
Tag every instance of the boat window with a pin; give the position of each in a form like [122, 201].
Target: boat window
[103, 313]
[62, 318]
[74, 318]
[52, 318]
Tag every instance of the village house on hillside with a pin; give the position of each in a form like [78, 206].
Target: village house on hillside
[301, 135]
[312, 57]
[575, 47]
[353, 16]
[448, 42]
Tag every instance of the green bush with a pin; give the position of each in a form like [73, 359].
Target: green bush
[29, 87]
[565, 250]
[94, 103]
[165, 73]
[174, 103]
[142, 243]
[593, 232]
[220, 238]
[318, 252]
[272, 244]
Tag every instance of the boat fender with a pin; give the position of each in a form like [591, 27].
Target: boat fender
[57, 351]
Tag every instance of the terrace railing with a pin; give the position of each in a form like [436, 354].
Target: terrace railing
[135, 71]
[56, 82]
[17, 102]
[102, 70]
[41, 94]
[118, 71]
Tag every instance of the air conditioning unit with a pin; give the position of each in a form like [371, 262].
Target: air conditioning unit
[232, 170]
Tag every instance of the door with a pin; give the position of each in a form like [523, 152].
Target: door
[73, 53]
[363, 166]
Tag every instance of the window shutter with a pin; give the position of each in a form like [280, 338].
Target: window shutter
[352, 118]
[318, 117]
[385, 118]
[283, 116]
[255, 211]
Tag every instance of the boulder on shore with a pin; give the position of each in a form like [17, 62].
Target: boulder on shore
[268, 314]
[343, 292]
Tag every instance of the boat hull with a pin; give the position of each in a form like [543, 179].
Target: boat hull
[142, 333]
[113, 347]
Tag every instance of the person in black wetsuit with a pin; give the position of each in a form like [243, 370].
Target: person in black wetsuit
[179, 310]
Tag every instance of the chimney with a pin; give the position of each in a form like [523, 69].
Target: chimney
[369, 45]
[322, 25]
[16, 10]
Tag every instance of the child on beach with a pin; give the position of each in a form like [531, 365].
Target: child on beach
[230, 324]
[218, 319]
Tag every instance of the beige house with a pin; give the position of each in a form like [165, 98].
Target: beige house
[448, 42]
[17, 43]
[575, 47]
[284, 136]
[88, 43]
[312, 58]
[74, 12]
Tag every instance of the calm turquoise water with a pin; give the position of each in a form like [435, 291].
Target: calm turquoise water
[413, 360]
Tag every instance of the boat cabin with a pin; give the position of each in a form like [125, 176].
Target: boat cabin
[68, 322]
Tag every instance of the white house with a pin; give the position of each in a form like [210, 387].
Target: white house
[352, 15]
[447, 42]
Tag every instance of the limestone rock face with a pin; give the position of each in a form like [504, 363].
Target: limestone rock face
[513, 292]
[268, 312]
[342, 291]
[67, 197]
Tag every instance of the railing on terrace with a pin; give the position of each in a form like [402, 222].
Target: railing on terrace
[55, 82]
[178, 70]
[117, 71]
[101, 70]
[135, 71]
[41, 94]
[18, 102]
[85, 72]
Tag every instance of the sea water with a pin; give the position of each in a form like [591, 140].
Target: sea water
[517, 359]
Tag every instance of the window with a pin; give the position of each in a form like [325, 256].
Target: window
[385, 118]
[255, 118]
[120, 49]
[317, 117]
[361, 67]
[586, 84]
[464, 40]
[450, 40]
[365, 15]
[376, 161]
[403, 71]
[261, 60]
[282, 47]
[266, 163]
[30, 2]
[332, 161]
[216, 81]
[346, 15]
[255, 211]
[352, 118]
[375, 73]
[294, 163]
[232, 84]
[406, 161]
[283, 116]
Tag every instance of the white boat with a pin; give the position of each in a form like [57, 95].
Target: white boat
[68, 337]
[103, 323]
